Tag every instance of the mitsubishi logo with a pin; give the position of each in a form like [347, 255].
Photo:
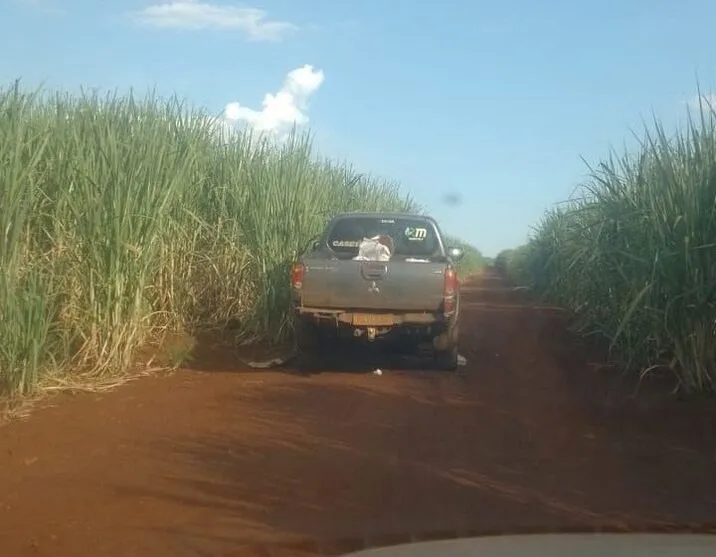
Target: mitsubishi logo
[373, 288]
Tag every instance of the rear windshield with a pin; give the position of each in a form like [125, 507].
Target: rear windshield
[410, 237]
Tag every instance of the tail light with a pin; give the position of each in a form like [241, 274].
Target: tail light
[297, 271]
[450, 286]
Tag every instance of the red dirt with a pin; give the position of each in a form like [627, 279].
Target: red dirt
[529, 436]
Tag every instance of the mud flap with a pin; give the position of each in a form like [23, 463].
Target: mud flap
[313, 341]
[307, 335]
[447, 360]
[448, 339]
[445, 349]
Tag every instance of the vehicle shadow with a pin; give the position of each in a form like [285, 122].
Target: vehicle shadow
[346, 356]
[212, 353]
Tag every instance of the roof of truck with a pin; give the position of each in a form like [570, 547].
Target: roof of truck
[386, 214]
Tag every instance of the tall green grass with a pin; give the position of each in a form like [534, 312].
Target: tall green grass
[124, 218]
[635, 256]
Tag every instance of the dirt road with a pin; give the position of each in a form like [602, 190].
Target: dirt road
[529, 436]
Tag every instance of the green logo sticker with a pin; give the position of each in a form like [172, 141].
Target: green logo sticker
[416, 233]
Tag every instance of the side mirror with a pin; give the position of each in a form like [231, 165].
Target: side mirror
[315, 244]
[455, 253]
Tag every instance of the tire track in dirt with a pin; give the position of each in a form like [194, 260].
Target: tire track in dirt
[227, 461]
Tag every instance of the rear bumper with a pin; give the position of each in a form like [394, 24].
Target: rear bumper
[370, 318]
[424, 327]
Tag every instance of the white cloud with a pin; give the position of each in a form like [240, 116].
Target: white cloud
[282, 110]
[195, 16]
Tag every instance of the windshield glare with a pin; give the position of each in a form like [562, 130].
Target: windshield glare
[410, 237]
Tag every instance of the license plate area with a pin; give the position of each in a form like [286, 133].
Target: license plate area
[373, 319]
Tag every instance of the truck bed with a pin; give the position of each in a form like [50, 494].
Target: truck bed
[396, 285]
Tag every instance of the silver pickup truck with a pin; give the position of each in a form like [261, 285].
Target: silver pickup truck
[379, 277]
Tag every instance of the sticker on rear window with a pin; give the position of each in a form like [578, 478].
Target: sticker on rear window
[418, 234]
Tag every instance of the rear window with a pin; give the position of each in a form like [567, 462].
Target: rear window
[410, 237]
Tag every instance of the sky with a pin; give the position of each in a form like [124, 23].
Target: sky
[495, 105]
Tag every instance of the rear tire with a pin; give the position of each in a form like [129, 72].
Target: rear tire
[308, 337]
[446, 360]
[307, 344]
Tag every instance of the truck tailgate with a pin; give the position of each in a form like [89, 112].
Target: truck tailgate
[394, 285]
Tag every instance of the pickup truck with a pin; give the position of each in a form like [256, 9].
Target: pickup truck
[406, 290]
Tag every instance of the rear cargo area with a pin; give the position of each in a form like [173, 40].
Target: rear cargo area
[370, 285]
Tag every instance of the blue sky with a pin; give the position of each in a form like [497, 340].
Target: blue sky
[495, 103]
